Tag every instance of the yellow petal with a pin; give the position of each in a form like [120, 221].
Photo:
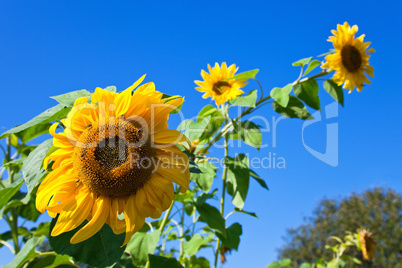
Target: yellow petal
[100, 212]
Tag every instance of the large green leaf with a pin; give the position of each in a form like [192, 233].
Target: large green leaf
[245, 101]
[7, 193]
[334, 90]
[57, 112]
[232, 240]
[26, 253]
[195, 243]
[205, 179]
[295, 109]
[281, 95]
[163, 262]
[248, 132]
[212, 217]
[69, 98]
[32, 170]
[238, 179]
[101, 250]
[308, 92]
[142, 244]
[245, 75]
[33, 132]
[51, 261]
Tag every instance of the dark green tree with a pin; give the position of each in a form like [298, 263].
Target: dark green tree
[378, 210]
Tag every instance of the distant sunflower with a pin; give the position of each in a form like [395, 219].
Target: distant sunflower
[116, 156]
[367, 244]
[215, 86]
[350, 60]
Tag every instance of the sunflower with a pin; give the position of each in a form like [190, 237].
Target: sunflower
[116, 156]
[350, 60]
[215, 86]
[367, 244]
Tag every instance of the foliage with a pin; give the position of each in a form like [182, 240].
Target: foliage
[195, 222]
[378, 210]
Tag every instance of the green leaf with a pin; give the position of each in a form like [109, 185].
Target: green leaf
[205, 179]
[245, 75]
[248, 132]
[26, 253]
[193, 167]
[7, 193]
[212, 119]
[15, 162]
[142, 244]
[258, 179]
[308, 92]
[204, 197]
[295, 109]
[51, 261]
[232, 239]
[110, 89]
[312, 65]
[280, 264]
[199, 262]
[197, 241]
[305, 265]
[302, 62]
[281, 95]
[245, 101]
[163, 262]
[246, 212]
[238, 179]
[69, 98]
[101, 250]
[207, 111]
[334, 90]
[32, 169]
[193, 130]
[42, 229]
[212, 217]
[33, 132]
[57, 112]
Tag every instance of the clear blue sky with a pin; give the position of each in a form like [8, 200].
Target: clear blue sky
[52, 47]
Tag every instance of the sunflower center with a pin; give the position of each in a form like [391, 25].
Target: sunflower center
[114, 160]
[220, 87]
[351, 58]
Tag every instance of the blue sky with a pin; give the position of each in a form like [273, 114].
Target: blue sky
[52, 47]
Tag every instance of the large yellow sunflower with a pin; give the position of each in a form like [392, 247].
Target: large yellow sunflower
[215, 86]
[116, 156]
[350, 60]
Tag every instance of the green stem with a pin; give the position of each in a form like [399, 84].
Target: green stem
[163, 224]
[224, 179]
[182, 232]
